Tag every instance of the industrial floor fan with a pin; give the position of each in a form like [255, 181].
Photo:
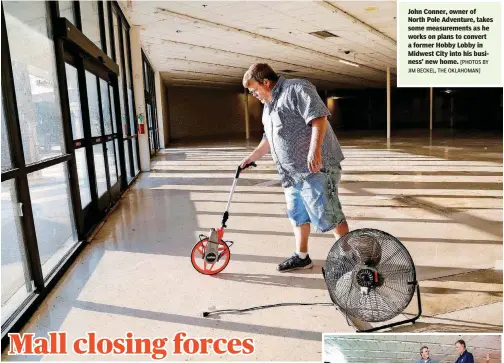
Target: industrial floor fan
[371, 276]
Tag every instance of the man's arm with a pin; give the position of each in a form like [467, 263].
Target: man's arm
[313, 110]
[319, 126]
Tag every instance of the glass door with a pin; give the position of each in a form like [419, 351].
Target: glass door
[152, 148]
[91, 91]
[150, 104]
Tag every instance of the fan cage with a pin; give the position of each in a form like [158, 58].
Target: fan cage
[370, 248]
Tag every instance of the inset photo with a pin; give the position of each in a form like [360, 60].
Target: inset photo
[406, 348]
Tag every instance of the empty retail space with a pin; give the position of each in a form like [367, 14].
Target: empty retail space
[243, 171]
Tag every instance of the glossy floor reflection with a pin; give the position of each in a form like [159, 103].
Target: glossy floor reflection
[441, 196]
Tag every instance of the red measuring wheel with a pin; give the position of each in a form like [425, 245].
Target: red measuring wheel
[210, 265]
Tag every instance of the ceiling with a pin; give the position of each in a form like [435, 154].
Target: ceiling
[214, 42]
[406, 348]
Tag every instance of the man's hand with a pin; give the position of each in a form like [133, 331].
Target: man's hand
[315, 154]
[249, 159]
[315, 160]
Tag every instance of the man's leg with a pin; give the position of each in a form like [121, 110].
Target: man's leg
[300, 220]
[302, 233]
[341, 230]
[320, 194]
[301, 259]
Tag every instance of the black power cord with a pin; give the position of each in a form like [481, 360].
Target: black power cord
[225, 311]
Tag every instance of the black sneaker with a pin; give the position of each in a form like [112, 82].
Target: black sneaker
[295, 263]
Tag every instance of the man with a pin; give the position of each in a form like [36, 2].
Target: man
[306, 152]
[465, 356]
[424, 356]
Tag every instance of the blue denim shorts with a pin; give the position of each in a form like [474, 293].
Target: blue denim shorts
[316, 201]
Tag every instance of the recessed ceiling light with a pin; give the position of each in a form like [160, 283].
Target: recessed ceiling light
[371, 8]
[323, 34]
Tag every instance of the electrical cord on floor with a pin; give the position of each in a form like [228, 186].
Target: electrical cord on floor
[225, 311]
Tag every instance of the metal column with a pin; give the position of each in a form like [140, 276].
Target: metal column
[388, 102]
[431, 105]
[247, 126]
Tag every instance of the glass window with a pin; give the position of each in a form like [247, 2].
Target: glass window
[127, 159]
[16, 280]
[132, 114]
[149, 85]
[149, 115]
[107, 28]
[146, 79]
[118, 164]
[153, 112]
[75, 103]
[94, 107]
[52, 213]
[6, 155]
[101, 177]
[126, 57]
[90, 21]
[119, 63]
[35, 80]
[128, 83]
[112, 104]
[66, 10]
[135, 161]
[107, 122]
[111, 162]
[83, 175]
